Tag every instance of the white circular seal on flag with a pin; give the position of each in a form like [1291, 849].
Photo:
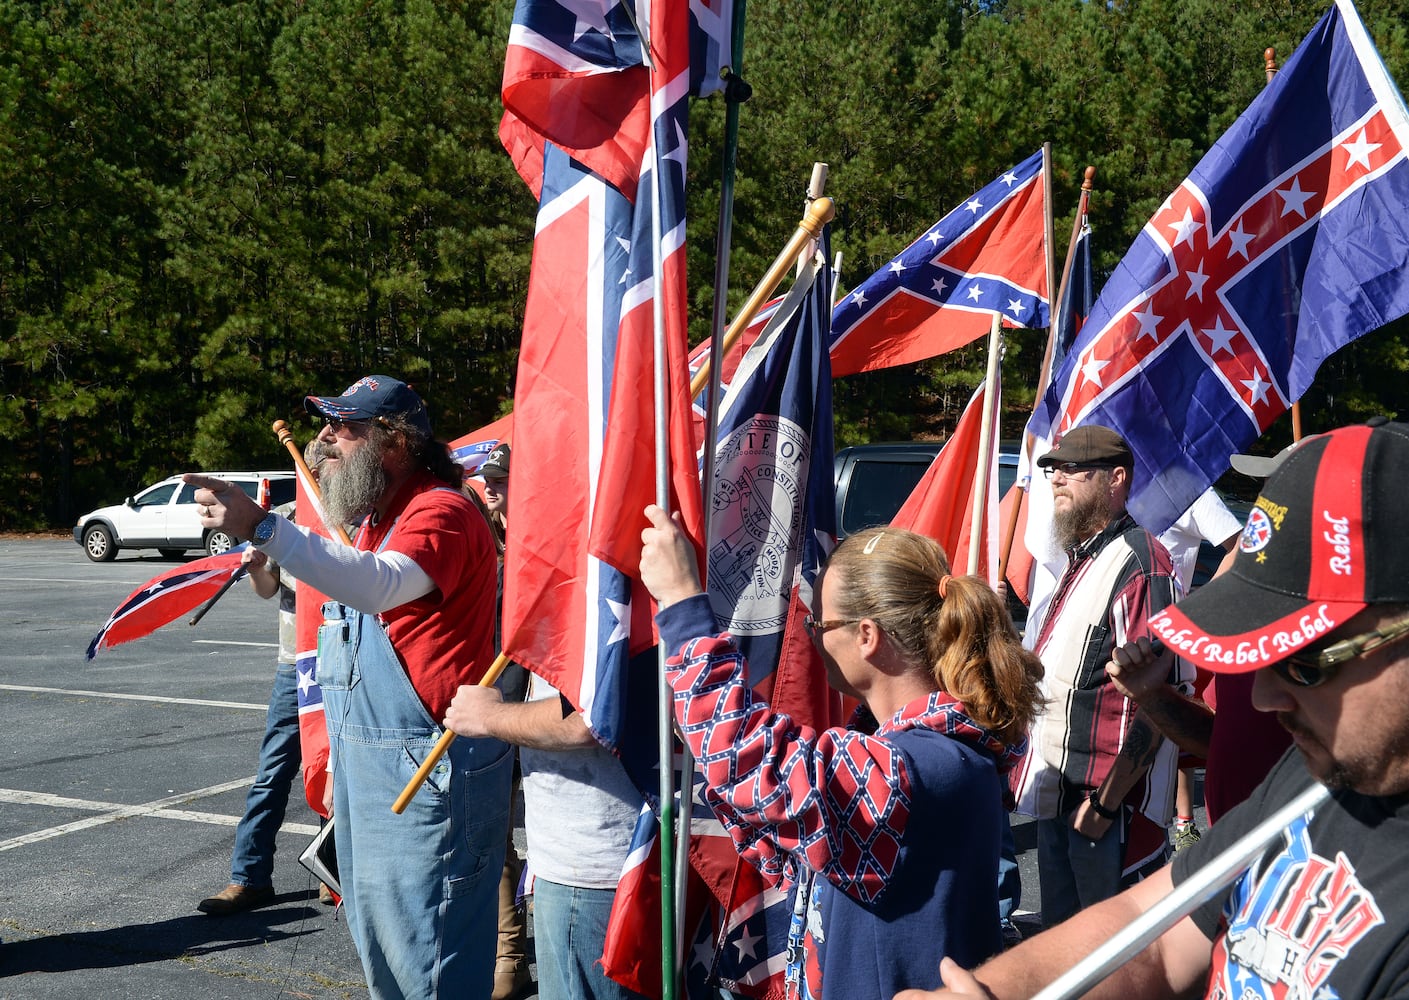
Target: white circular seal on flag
[760, 476]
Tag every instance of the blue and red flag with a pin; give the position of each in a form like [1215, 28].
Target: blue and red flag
[986, 256]
[1077, 299]
[773, 526]
[1288, 240]
[167, 597]
[583, 402]
[308, 618]
[470, 450]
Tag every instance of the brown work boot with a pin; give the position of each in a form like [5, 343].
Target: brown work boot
[511, 963]
[236, 899]
[326, 896]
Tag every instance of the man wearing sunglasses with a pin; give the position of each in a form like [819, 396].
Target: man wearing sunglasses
[411, 619]
[1316, 608]
[1098, 777]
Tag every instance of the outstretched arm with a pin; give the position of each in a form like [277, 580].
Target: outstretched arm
[1172, 966]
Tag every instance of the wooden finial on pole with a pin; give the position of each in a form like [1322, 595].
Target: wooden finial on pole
[286, 438]
[1269, 60]
[819, 213]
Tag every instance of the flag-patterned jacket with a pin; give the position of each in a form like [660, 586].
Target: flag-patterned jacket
[900, 825]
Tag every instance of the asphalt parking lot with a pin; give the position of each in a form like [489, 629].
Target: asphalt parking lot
[121, 781]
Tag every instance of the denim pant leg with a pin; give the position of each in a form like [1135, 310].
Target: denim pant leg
[1010, 886]
[280, 760]
[422, 888]
[569, 927]
[1076, 872]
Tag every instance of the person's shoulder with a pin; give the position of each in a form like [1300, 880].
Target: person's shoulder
[1147, 550]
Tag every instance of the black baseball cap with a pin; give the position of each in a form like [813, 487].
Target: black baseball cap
[496, 464]
[1322, 543]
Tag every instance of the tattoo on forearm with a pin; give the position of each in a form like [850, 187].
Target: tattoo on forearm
[1141, 743]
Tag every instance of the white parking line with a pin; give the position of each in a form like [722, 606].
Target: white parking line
[108, 582]
[110, 812]
[134, 697]
[232, 642]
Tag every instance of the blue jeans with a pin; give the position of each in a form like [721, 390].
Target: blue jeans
[420, 890]
[280, 757]
[569, 927]
[1076, 872]
[1010, 883]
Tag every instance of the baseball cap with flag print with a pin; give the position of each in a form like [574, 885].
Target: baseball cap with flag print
[370, 397]
[1322, 543]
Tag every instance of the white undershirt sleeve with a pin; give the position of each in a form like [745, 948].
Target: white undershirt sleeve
[371, 582]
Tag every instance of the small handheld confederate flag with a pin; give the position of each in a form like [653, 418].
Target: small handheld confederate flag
[1288, 240]
[166, 597]
[986, 256]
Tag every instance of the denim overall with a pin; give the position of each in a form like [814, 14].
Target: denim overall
[421, 890]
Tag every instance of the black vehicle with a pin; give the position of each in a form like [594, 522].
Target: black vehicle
[874, 480]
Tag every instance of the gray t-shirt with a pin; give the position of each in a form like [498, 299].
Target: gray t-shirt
[579, 811]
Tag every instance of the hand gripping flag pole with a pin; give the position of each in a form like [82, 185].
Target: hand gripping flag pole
[286, 438]
[1215, 876]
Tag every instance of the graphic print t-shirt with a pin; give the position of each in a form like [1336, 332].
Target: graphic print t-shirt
[1324, 913]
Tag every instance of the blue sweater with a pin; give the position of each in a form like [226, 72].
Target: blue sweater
[890, 839]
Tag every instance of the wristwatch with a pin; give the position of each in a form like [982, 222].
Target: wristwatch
[1100, 810]
[264, 530]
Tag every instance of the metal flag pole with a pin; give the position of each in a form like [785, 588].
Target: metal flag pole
[736, 92]
[661, 395]
[991, 391]
[1215, 876]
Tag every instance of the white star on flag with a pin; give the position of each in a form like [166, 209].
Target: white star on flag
[1240, 241]
[1359, 151]
[975, 292]
[1149, 323]
[1092, 370]
[1220, 338]
[1185, 228]
[1294, 199]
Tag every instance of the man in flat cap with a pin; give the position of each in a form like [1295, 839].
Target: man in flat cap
[1097, 777]
[412, 618]
[1316, 610]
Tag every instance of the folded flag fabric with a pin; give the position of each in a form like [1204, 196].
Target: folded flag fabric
[167, 597]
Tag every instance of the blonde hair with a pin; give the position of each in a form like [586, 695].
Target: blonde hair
[965, 639]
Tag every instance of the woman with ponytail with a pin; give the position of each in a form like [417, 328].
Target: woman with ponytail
[888, 830]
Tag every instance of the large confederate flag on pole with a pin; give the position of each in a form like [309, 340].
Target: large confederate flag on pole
[1288, 240]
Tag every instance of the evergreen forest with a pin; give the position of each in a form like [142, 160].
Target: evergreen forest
[209, 208]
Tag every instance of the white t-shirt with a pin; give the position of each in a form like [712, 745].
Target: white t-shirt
[1207, 519]
[580, 809]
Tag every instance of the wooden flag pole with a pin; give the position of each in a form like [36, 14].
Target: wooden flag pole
[286, 438]
[985, 441]
[819, 213]
[1014, 515]
[443, 744]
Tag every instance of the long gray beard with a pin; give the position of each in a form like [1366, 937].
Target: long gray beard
[352, 487]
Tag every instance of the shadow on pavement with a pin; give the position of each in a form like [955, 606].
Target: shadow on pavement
[164, 940]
